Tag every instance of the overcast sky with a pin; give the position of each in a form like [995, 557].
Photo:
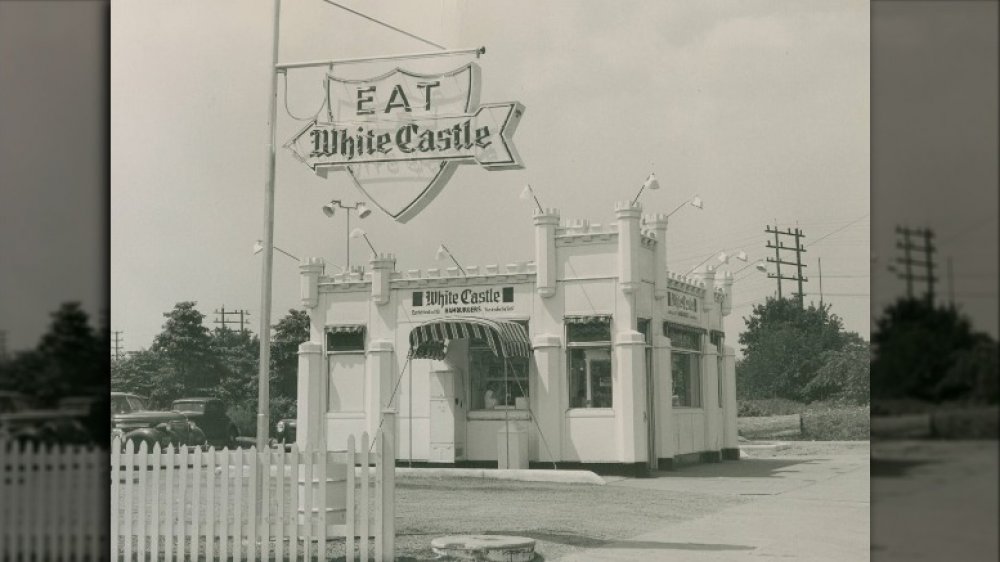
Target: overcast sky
[53, 156]
[761, 108]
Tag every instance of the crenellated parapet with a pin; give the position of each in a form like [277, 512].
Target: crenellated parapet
[519, 272]
[685, 284]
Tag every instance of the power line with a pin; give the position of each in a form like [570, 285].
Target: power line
[382, 23]
[821, 238]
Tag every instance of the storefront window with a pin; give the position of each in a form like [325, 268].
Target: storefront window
[717, 339]
[497, 382]
[345, 338]
[686, 371]
[589, 343]
[685, 365]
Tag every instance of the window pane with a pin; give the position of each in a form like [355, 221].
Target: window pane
[345, 341]
[590, 384]
[577, 379]
[490, 389]
[686, 374]
[589, 332]
[600, 378]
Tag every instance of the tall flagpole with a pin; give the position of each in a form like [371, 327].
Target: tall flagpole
[264, 369]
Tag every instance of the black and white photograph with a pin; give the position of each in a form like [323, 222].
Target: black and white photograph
[443, 280]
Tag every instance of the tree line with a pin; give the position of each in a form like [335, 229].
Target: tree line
[918, 351]
[70, 359]
[187, 359]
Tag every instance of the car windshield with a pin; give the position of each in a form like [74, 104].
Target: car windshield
[119, 405]
[190, 407]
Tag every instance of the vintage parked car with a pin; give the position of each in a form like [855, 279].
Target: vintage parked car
[285, 431]
[210, 415]
[131, 420]
[44, 427]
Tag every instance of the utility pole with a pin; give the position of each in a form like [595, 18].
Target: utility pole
[118, 343]
[909, 263]
[819, 262]
[778, 246]
[222, 317]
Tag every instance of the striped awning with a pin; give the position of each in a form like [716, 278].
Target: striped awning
[346, 329]
[506, 339]
[588, 319]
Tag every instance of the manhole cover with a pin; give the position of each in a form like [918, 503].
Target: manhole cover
[491, 548]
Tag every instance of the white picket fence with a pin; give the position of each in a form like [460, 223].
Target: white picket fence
[254, 505]
[51, 499]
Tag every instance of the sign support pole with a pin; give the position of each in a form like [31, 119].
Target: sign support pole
[264, 369]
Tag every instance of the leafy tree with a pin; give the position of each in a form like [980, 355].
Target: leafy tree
[238, 354]
[289, 332]
[148, 374]
[916, 346]
[186, 347]
[844, 375]
[784, 346]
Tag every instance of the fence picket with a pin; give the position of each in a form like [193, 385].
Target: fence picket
[238, 497]
[129, 485]
[295, 460]
[305, 492]
[349, 515]
[116, 487]
[279, 547]
[224, 506]
[378, 497]
[142, 498]
[86, 466]
[196, 501]
[265, 504]
[323, 509]
[183, 485]
[252, 483]
[365, 531]
[170, 508]
[154, 504]
[210, 484]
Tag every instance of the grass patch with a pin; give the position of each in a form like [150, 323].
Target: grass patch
[765, 407]
[842, 423]
[979, 423]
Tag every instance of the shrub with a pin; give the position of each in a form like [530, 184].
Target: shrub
[768, 407]
[843, 423]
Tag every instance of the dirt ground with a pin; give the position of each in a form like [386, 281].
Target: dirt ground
[562, 518]
[751, 449]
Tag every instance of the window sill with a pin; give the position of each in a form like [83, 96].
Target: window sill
[499, 415]
[590, 413]
[688, 408]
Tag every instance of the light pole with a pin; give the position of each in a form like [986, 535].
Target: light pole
[360, 208]
[650, 183]
[695, 202]
[723, 258]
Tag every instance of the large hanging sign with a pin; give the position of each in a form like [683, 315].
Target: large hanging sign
[401, 135]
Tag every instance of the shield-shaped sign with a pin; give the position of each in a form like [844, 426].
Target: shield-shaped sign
[401, 135]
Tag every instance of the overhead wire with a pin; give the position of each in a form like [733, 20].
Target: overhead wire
[384, 24]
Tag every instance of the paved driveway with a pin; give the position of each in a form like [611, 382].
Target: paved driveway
[934, 500]
[813, 507]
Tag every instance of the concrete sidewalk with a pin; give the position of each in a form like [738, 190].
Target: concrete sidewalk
[798, 508]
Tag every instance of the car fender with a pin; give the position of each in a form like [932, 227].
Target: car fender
[148, 434]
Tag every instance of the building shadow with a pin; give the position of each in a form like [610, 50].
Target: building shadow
[745, 468]
[895, 468]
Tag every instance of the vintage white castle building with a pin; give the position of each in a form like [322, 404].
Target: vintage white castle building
[591, 356]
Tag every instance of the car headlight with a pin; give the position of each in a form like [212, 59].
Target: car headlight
[281, 427]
